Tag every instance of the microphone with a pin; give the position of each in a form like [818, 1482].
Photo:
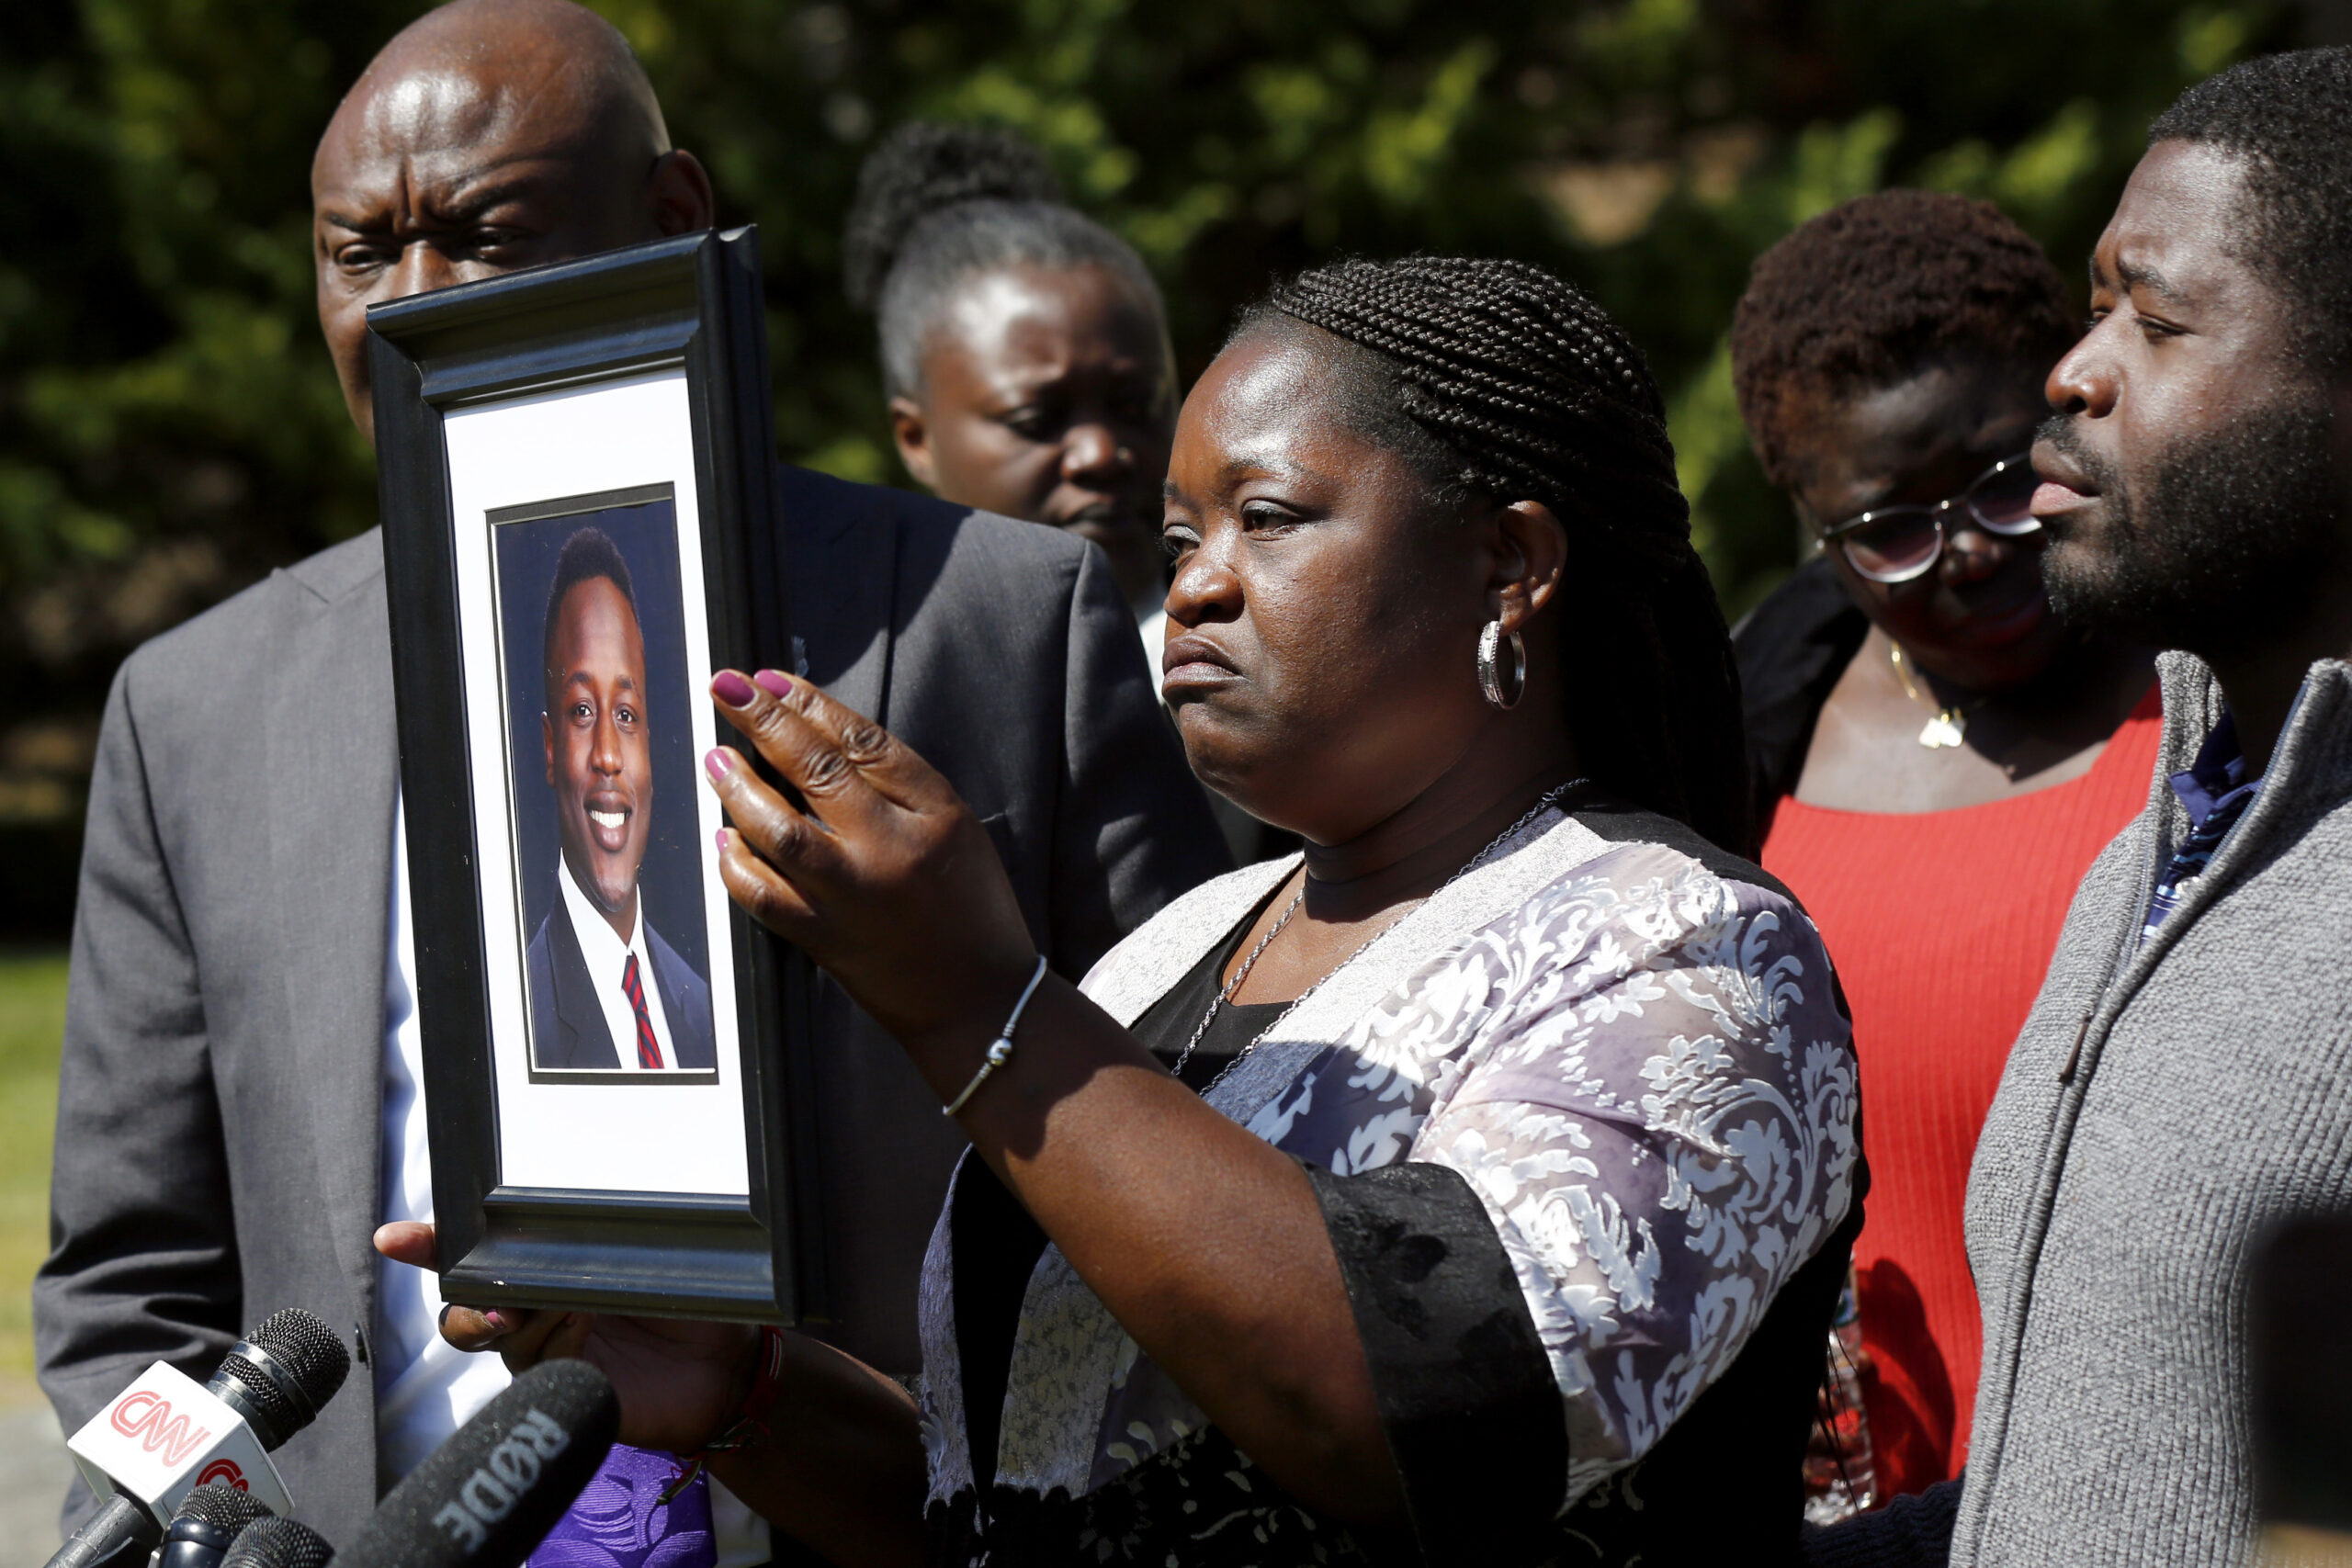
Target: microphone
[279, 1543]
[208, 1523]
[280, 1376]
[489, 1495]
[167, 1435]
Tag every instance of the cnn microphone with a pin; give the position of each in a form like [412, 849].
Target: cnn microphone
[279, 1543]
[489, 1495]
[208, 1523]
[167, 1434]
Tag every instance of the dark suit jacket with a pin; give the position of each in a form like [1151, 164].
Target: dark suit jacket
[1791, 649]
[567, 1027]
[220, 1124]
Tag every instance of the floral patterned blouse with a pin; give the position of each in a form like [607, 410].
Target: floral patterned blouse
[1584, 1130]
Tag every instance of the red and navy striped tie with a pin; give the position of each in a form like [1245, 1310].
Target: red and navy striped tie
[649, 1050]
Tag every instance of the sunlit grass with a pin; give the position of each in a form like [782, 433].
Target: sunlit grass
[32, 1023]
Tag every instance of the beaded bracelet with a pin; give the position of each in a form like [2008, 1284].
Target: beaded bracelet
[751, 1423]
[1001, 1051]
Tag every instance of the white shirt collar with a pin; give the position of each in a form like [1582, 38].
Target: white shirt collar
[607, 958]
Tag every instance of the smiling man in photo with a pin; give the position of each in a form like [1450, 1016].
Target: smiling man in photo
[606, 991]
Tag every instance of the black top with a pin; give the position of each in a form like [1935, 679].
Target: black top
[992, 1272]
[1791, 649]
[1168, 1022]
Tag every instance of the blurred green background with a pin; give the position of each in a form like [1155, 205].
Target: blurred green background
[170, 429]
[32, 1014]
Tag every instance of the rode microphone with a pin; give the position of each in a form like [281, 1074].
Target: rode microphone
[208, 1523]
[279, 1543]
[489, 1495]
[167, 1434]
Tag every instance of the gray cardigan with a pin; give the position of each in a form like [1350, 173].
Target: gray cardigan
[2161, 1110]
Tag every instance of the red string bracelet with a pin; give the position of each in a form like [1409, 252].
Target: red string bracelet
[751, 1423]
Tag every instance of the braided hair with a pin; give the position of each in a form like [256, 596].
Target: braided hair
[940, 204]
[1496, 379]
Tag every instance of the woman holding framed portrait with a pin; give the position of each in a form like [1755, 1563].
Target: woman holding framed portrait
[1475, 1188]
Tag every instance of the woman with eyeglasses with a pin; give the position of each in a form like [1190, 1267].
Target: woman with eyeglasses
[1938, 758]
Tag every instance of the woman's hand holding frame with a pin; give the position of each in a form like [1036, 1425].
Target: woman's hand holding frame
[880, 872]
[885, 878]
[842, 1467]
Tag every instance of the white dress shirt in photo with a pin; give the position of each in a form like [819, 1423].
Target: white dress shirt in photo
[607, 957]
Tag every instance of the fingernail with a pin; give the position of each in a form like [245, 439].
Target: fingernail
[721, 837]
[772, 683]
[732, 689]
[496, 1323]
[715, 760]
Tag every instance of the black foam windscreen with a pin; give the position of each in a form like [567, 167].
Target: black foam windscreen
[220, 1506]
[274, 1542]
[490, 1494]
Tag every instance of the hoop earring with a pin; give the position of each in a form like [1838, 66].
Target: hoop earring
[1490, 674]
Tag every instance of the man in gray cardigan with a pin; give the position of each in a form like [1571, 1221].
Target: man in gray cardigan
[2184, 1083]
[237, 1110]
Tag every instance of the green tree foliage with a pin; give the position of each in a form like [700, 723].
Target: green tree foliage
[170, 429]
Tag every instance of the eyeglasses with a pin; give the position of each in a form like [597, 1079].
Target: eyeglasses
[1896, 543]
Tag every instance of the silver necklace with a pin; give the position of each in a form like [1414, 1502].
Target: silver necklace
[1551, 798]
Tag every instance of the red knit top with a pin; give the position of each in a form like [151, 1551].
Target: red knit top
[1941, 924]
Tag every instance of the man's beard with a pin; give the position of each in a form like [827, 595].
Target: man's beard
[2221, 548]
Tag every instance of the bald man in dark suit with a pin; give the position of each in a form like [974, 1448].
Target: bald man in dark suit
[237, 1105]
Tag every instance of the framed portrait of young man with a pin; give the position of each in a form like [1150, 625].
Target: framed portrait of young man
[579, 526]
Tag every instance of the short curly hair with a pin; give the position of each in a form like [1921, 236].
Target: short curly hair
[587, 555]
[2290, 118]
[1873, 291]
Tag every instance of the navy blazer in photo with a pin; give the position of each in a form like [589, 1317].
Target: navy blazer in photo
[568, 1029]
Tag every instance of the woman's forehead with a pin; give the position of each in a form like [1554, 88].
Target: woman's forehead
[1265, 382]
[1274, 405]
[1942, 413]
[1028, 308]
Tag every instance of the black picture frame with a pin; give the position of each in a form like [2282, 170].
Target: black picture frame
[689, 306]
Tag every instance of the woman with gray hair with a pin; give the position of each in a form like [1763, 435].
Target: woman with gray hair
[1024, 350]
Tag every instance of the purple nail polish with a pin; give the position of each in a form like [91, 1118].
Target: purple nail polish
[717, 762]
[773, 681]
[721, 837]
[732, 689]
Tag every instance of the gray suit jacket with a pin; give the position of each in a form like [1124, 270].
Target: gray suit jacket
[567, 1027]
[218, 1141]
